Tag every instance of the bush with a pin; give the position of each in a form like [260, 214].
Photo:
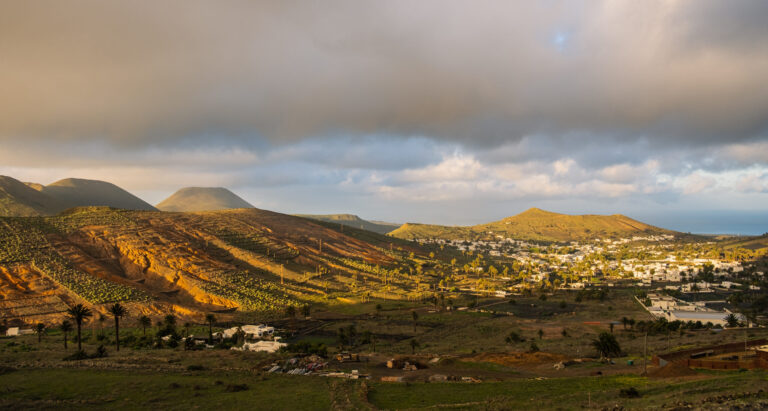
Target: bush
[236, 387]
[306, 347]
[630, 392]
[195, 367]
[77, 356]
[101, 352]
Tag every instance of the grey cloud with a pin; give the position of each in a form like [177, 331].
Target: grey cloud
[481, 74]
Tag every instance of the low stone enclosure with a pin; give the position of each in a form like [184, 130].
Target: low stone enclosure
[731, 356]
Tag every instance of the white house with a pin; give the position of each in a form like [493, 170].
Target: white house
[262, 346]
[252, 332]
[16, 331]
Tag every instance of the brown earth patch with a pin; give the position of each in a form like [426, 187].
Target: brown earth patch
[672, 370]
[516, 359]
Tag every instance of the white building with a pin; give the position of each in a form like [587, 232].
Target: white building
[16, 331]
[261, 346]
[252, 332]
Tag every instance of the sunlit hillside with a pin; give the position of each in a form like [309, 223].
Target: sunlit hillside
[537, 224]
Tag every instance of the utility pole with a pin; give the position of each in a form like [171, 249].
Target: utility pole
[645, 354]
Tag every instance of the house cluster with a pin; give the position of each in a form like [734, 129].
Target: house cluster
[258, 337]
[671, 270]
[674, 309]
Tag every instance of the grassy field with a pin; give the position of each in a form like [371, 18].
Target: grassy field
[464, 344]
[98, 389]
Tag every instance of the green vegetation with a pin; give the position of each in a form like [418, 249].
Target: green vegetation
[99, 389]
[21, 241]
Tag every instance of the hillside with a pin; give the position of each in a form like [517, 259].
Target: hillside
[539, 225]
[351, 220]
[203, 199]
[19, 199]
[233, 261]
[76, 192]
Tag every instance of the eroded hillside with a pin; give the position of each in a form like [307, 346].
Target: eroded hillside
[188, 263]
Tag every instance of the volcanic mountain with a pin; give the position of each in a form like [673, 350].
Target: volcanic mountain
[76, 192]
[203, 199]
[18, 199]
[351, 220]
[537, 224]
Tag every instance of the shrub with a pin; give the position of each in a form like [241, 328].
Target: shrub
[630, 392]
[77, 356]
[236, 387]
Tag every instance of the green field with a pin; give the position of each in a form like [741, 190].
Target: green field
[99, 389]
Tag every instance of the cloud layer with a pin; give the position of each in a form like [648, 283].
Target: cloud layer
[690, 72]
[399, 109]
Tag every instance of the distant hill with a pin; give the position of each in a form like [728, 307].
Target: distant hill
[76, 192]
[757, 243]
[540, 225]
[203, 199]
[352, 220]
[18, 199]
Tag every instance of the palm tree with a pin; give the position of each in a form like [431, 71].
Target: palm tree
[415, 316]
[66, 327]
[117, 311]
[101, 324]
[170, 320]
[79, 313]
[145, 322]
[606, 345]
[39, 329]
[210, 319]
[414, 344]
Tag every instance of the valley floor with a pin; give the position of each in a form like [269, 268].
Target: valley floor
[73, 388]
[469, 343]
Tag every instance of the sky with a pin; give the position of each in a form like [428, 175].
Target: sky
[435, 111]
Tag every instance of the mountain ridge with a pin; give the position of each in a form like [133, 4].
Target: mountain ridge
[78, 192]
[537, 224]
[18, 199]
[352, 220]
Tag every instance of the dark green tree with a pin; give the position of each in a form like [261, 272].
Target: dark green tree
[210, 319]
[606, 345]
[39, 330]
[145, 322]
[66, 327]
[78, 313]
[414, 345]
[118, 312]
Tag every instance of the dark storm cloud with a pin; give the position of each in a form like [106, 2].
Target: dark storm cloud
[480, 73]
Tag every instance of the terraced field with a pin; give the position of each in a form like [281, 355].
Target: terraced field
[193, 263]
